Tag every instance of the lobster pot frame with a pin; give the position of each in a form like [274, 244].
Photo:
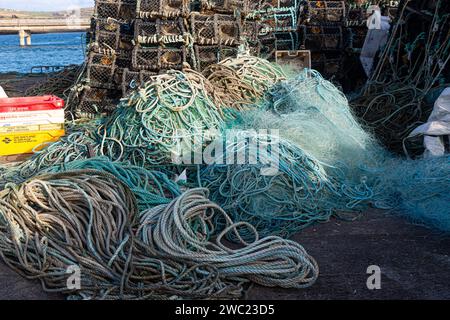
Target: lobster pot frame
[100, 70]
[116, 9]
[356, 17]
[105, 9]
[124, 59]
[158, 58]
[106, 25]
[95, 101]
[151, 9]
[208, 55]
[321, 38]
[326, 12]
[226, 6]
[132, 80]
[328, 64]
[216, 29]
[251, 31]
[288, 41]
[107, 40]
[160, 31]
[285, 21]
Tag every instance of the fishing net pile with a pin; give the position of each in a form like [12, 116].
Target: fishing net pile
[276, 186]
[419, 190]
[90, 219]
[315, 115]
[104, 198]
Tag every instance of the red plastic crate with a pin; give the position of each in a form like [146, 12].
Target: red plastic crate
[31, 104]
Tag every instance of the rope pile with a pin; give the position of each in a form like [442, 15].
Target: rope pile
[89, 219]
[151, 188]
[282, 192]
[80, 142]
[241, 82]
[147, 127]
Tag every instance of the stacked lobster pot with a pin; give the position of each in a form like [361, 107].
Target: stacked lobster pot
[278, 21]
[108, 55]
[322, 32]
[161, 40]
[216, 29]
[356, 26]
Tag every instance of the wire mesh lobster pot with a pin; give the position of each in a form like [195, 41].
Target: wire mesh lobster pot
[95, 101]
[285, 21]
[124, 59]
[327, 63]
[151, 9]
[130, 80]
[105, 9]
[226, 6]
[100, 70]
[287, 41]
[356, 17]
[215, 29]
[107, 40]
[208, 55]
[160, 31]
[158, 58]
[326, 12]
[321, 38]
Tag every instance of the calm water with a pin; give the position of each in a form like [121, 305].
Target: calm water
[58, 49]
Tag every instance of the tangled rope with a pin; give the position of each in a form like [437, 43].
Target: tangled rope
[151, 188]
[89, 219]
[147, 127]
[80, 142]
[241, 82]
[283, 192]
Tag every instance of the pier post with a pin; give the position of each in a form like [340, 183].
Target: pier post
[24, 37]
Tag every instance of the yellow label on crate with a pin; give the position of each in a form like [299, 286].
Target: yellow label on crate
[24, 142]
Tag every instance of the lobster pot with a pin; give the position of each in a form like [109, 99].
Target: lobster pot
[158, 58]
[107, 41]
[208, 55]
[251, 30]
[287, 41]
[327, 63]
[356, 17]
[215, 29]
[227, 6]
[115, 9]
[100, 70]
[322, 38]
[161, 31]
[95, 101]
[152, 9]
[285, 21]
[131, 80]
[326, 12]
[124, 58]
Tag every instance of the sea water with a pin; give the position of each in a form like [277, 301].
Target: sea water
[52, 49]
